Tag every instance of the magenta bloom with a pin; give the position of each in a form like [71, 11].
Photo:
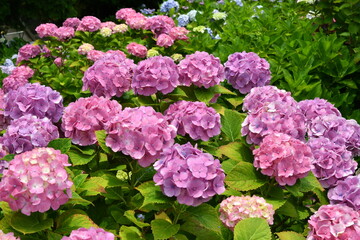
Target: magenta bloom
[247, 70]
[46, 30]
[88, 234]
[164, 40]
[72, 22]
[109, 76]
[85, 116]
[332, 162]
[190, 175]
[155, 74]
[179, 33]
[8, 236]
[346, 192]
[4, 120]
[28, 51]
[141, 133]
[334, 222]
[283, 157]
[201, 69]
[64, 33]
[35, 99]
[195, 119]
[24, 71]
[95, 55]
[123, 13]
[36, 181]
[89, 24]
[25, 133]
[159, 24]
[137, 50]
[136, 21]
[234, 209]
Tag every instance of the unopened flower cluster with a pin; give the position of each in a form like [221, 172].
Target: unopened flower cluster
[141, 133]
[36, 181]
[334, 222]
[27, 132]
[18, 77]
[190, 175]
[85, 116]
[89, 233]
[195, 119]
[235, 208]
[346, 192]
[245, 71]
[283, 157]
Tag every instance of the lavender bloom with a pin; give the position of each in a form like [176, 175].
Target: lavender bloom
[4, 120]
[346, 192]
[168, 5]
[317, 107]
[190, 175]
[147, 11]
[183, 20]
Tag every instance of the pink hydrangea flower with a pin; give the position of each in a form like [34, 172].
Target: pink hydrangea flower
[46, 30]
[332, 162]
[234, 209]
[88, 234]
[201, 69]
[64, 33]
[141, 133]
[89, 24]
[123, 13]
[59, 61]
[136, 21]
[346, 192]
[28, 51]
[85, 48]
[95, 55]
[108, 24]
[195, 119]
[45, 51]
[85, 116]
[109, 76]
[190, 175]
[179, 33]
[247, 70]
[159, 24]
[164, 40]
[73, 22]
[155, 74]
[8, 236]
[137, 50]
[283, 157]
[24, 71]
[334, 222]
[18, 77]
[36, 181]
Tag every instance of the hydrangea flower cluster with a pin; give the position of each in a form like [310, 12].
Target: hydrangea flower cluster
[18, 77]
[334, 222]
[109, 76]
[46, 30]
[3, 165]
[124, 13]
[8, 236]
[28, 51]
[90, 233]
[234, 209]
[64, 33]
[183, 20]
[245, 71]
[4, 120]
[35, 99]
[155, 74]
[168, 5]
[27, 132]
[8, 66]
[283, 157]
[346, 192]
[137, 50]
[195, 119]
[190, 175]
[73, 22]
[201, 69]
[89, 24]
[36, 181]
[159, 24]
[332, 162]
[317, 107]
[85, 116]
[164, 40]
[141, 133]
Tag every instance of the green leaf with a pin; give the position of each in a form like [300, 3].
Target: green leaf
[8, 157]
[29, 224]
[130, 233]
[244, 177]
[252, 229]
[152, 194]
[276, 203]
[236, 151]
[231, 124]
[235, 101]
[76, 199]
[163, 229]
[288, 235]
[93, 186]
[204, 95]
[222, 90]
[71, 220]
[79, 158]
[307, 184]
[130, 214]
[100, 137]
[53, 236]
[62, 144]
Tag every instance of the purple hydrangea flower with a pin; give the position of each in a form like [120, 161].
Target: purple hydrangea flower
[35, 99]
[4, 120]
[28, 51]
[245, 71]
[195, 119]
[283, 157]
[90, 233]
[201, 69]
[36, 181]
[109, 76]
[234, 209]
[155, 74]
[332, 162]
[331, 222]
[27, 132]
[141, 133]
[89, 24]
[317, 107]
[189, 174]
[85, 116]
[346, 192]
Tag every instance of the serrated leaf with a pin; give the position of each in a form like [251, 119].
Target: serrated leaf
[93, 186]
[71, 220]
[309, 183]
[222, 90]
[276, 203]
[100, 137]
[244, 177]
[231, 124]
[235, 101]
[288, 235]
[53, 236]
[62, 144]
[76, 199]
[204, 95]
[8, 157]
[29, 224]
[252, 229]
[236, 151]
[130, 233]
[152, 194]
[130, 214]
[162, 229]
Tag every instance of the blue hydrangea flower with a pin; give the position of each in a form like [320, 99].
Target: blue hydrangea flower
[183, 20]
[169, 4]
[147, 11]
[238, 2]
[192, 15]
[210, 32]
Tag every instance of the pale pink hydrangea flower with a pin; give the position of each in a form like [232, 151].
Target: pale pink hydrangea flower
[159, 24]
[28, 51]
[155, 74]
[201, 69]
[108, 24]
[137, 50]
[334, 222]
[179, 33]
[136, 21]
[85, 48]
[164, 40]
[195, 119]
[89, 234]
[7, 236]
[120, 28]
[283, 157]
[123, 13]
[89, 24]
[190, 175]
[141, 133]
[85, 116]
[73, 22]
[236, 208]
[36, 181]
[46, 30]
[64, 33]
